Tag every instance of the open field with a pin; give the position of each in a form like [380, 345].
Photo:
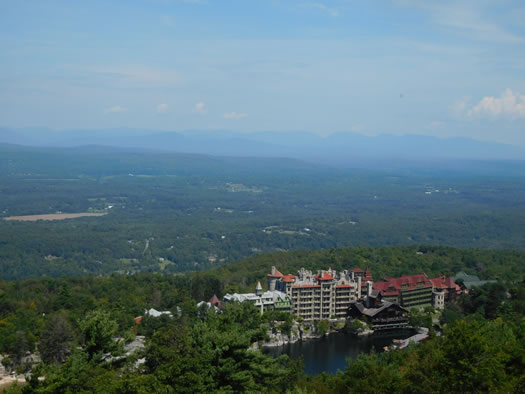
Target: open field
[53, 216]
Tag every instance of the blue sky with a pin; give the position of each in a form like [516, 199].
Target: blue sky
[375, 67]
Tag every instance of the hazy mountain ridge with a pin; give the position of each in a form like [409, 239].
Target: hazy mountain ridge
[339, 149]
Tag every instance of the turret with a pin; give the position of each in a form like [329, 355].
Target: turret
[273, 277]
[258, 289]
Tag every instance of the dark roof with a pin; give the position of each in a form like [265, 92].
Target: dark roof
[371, 312]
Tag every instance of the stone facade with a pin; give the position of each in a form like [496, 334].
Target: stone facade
[319, 296]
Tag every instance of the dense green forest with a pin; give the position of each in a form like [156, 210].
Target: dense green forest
[505, 265]
[72, 323]
[177, 213]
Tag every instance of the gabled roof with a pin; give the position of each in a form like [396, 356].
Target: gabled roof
[288, 278]
[392, 286]
[356, 270]
[324, 276]
[275, 273]
[214, 300]
[445, 283]
[368, 275]
[371, 312]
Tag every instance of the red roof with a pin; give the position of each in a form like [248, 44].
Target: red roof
[289, 278]
[276, 274]
[386, 289]
[357, 270]
[138, 319]
[445, 283]
[324, 276]
[392, 286]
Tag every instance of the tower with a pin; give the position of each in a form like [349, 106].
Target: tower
[258, 289]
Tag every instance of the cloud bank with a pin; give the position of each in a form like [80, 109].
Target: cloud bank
[509, 105]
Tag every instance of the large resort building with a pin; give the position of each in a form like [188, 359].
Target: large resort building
[409, 291]
[321, 296]
[418, 291]
[330, 294]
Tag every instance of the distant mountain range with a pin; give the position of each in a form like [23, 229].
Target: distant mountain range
[341, 149]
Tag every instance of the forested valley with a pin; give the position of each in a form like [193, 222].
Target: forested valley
[171, 213]
[271, 196]
[170, 230]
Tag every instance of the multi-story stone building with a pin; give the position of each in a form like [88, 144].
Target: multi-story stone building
[409, 291]
[445, 290]
[321, 296]
[365, 276]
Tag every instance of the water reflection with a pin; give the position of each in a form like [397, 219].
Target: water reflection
[329, 354]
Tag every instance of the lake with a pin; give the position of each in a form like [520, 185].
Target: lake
[329, 354]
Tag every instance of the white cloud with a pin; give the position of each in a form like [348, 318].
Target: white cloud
[510, 104]
[200, 108]
[235, 115]
[472, 17]
[162, 108]
[116, 109]
[323, 7]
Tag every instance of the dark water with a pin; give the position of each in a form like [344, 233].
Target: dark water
[329, 354]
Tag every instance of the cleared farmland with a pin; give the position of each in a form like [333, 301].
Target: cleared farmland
[53, 216]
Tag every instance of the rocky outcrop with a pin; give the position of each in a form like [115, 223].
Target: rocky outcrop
[299, 332]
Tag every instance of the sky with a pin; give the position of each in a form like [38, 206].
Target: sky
[441, 68]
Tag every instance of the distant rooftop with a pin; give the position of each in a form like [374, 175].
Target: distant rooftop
[470, 281]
